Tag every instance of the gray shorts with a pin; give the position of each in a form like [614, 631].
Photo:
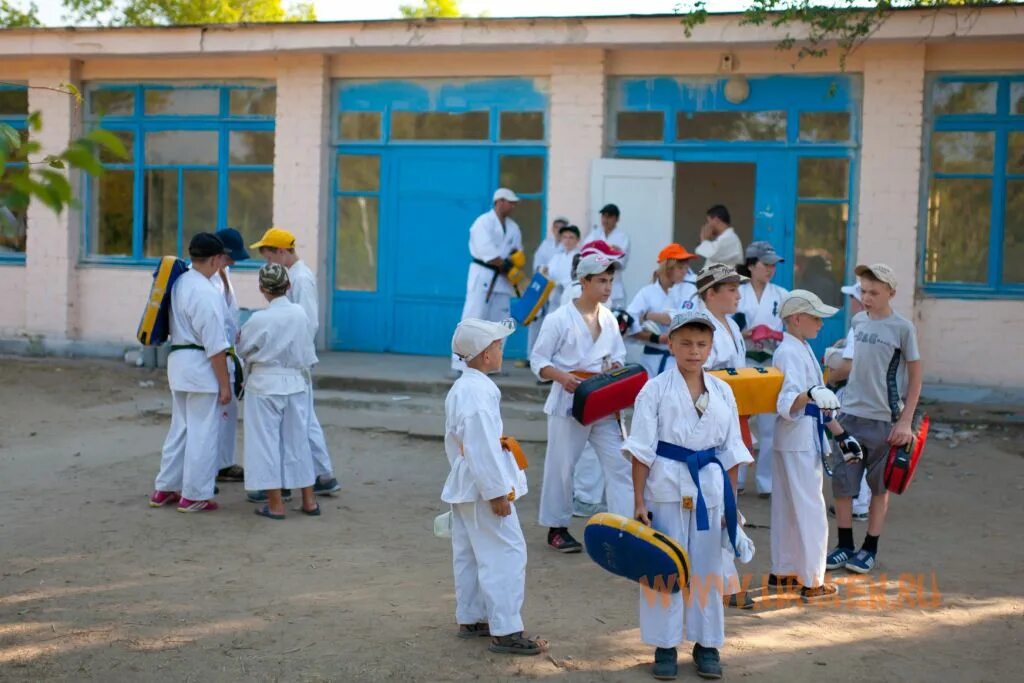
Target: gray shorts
[872, 435]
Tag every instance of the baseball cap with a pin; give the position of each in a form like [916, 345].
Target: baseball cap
[764, 252]
[878, 271]
[232, 240]
[594, 264]
[601, 247]
[275, 238]
[473, 335]
[692, 317]
[674, 251]
[205, 245]
[506, 194]
[852, 290]
[610, 209]
[715, 274]
[803, 301]
[569, 228]
[273, 276]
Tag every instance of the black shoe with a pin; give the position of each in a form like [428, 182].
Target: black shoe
[783, 584]
[666, 664]
[708, 663]
[561, 540]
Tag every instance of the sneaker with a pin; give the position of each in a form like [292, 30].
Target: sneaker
[326, 487]
[857, 516]
[838, 558]
[562, 541]
[666, 664]
[233, 473]
[738, 601]
[581, 509]
[709, 664]
[862, 562]
[261, 496]
[782, 584]
[186, 505]
[158, 499]
[826, 590]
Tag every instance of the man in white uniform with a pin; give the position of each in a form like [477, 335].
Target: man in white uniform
[541, 258]
[719, 241]
[197, 371]
[614, 235]
[579, 340]
[278, 349]
[488, 548]
[685, 422]
[278, 246]
[232, 239]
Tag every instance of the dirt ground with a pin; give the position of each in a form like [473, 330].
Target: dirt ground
[94, 585]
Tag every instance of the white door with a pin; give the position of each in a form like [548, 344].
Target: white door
[644, 192]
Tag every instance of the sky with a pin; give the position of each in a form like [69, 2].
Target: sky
[50, 11]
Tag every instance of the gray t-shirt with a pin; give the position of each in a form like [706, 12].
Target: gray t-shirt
[878, 380]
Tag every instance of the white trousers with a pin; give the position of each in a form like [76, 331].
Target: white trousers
[566, 439]
[277, 442]
[863, 500]
[189, 459]
[533, 331]
[661, 615]
[489, 563]
[765, 449]
[588, 478]
[322, 466]
[477, 306]
[227, 430]
[799, 526]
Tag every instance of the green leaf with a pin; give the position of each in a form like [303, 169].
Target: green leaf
[54, 162]
[108, 141]
[80, 156]
[35, 121]
[58, 183]
[10, 140]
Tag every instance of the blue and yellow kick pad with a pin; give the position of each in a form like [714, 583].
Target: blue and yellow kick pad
[628, 548]
[155, 326]
[525, 309]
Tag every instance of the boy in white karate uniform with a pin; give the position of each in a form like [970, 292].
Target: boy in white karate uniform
[278, 349]
[799, 526]
[197, 371]
[488, 548]
[559, 268]
[579, 340]
[685, 422]
[278, 246]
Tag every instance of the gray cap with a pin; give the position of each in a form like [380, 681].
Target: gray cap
[691, 317]
[878, 271]
[717, 273]
[764, 252]
[803, 301]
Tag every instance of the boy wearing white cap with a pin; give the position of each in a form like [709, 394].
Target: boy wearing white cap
[878, 409]
[493, 238]
[577, 341]
[278, 246]
[685, 437]
[799, 526]
[278, 349]
[488, 548]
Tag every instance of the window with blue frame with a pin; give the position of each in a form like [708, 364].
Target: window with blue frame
[974, 229]
[13, 224]
[201, 158]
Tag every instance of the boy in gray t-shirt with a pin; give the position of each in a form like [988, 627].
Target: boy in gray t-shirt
[878, 406]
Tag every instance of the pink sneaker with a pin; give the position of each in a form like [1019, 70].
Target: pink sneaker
[158, 499]
[186, 505]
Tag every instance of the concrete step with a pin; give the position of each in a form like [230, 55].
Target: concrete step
[417, 404]
[422, 425]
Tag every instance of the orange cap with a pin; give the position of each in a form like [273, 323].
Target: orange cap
[674, 251]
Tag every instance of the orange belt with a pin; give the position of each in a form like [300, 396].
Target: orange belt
[583, 374]
[510, 444]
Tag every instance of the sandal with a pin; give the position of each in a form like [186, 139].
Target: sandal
[479, 630]
[515, 644]
[315, 512]
[264, 511]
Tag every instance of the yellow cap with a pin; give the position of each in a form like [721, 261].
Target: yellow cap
[275, 238]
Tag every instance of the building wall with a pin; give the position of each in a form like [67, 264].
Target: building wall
[12, 303]
[971, 342]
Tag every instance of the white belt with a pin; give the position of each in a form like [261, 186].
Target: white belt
[275, 370]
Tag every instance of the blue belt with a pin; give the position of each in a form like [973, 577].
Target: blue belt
[695, 460]
[812, 410]
[655, 351]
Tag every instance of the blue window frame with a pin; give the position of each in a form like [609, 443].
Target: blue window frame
[200, 159]
[13, 224]
[972, 204]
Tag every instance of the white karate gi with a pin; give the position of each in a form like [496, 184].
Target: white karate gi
[189, 460]
[654, 299]
[278, 348]
[228, 422]
[799, 526]
[541, 258]
[303, 292]
[616, 238]
[726, 248]
[664, 411]
[560, 270]
[488, 552]
[763, 311]
[566, 343]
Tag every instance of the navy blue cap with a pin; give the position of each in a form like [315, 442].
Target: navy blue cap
[205, 245]
[232, 239]
[610, 209]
